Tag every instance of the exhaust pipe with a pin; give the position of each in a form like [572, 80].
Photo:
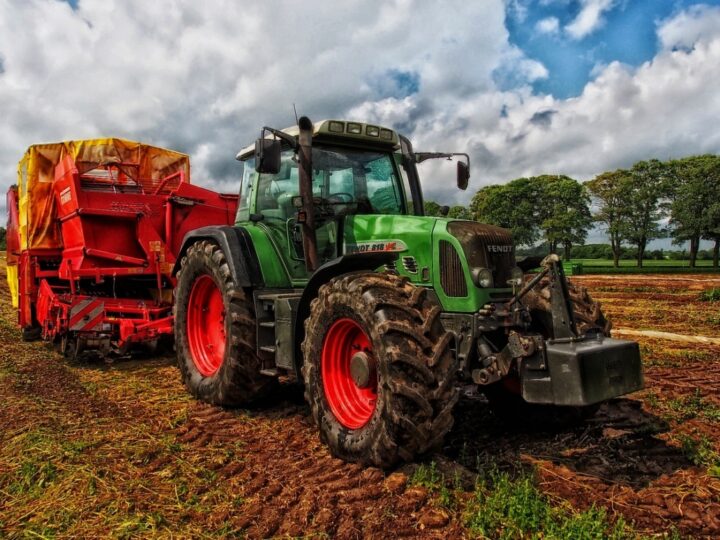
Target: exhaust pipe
[307, 216]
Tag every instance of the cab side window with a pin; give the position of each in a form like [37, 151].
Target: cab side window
[276, 191]
[382, 187]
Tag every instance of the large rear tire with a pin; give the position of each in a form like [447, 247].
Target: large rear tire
[379, 372]
[215, 331]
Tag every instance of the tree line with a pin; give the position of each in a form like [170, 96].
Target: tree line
[652, 199]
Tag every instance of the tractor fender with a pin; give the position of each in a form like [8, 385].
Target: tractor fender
[344, 264]
[238, 248]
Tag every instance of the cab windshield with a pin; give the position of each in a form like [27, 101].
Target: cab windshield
[344, 182]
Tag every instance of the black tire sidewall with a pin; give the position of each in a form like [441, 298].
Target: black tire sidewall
[206, 388]
[356, 442]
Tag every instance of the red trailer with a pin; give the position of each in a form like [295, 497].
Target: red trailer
[94, 228]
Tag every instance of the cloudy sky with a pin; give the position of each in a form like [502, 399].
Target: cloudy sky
[573, 87]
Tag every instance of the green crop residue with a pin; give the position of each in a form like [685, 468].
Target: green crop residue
[427, 476]
[700, 450]
[436, 483]
[711, 295]
[509, 508]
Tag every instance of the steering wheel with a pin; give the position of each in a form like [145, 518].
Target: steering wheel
[341, 197]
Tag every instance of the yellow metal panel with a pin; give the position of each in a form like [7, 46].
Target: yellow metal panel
[12, 279]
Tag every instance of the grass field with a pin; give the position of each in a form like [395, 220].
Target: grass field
[648, 263]
[605, 266]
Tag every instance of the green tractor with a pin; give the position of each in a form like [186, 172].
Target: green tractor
[332, 277]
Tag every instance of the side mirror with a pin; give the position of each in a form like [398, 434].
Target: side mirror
[267, 155]
[463, 175]
[444, 211]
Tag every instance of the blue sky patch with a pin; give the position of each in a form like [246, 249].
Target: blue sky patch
[397, 83]
[406, 82]
[625, 32]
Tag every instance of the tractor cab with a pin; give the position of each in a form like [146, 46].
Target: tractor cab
[345, 182]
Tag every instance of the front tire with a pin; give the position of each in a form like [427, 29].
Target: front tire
[215, 331]
[378, 369]
[587, 311]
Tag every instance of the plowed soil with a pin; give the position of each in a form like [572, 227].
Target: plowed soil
[91, 449]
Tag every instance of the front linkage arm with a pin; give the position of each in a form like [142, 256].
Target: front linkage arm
[496, 366]
[565, 368]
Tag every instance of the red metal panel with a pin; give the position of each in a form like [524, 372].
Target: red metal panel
[116, 230]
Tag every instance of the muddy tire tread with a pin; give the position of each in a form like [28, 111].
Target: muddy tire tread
[238, 381]
[416, 370]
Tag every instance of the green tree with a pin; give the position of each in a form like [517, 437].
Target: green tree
[459, 212]
[713, 230]
[609, 191]
[563, 207]
[711, 226]
[694, 202]
[512, 206]
[431, 208]
[646, 197]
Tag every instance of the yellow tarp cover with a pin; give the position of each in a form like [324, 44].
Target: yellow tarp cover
[12, 279]
[36, 172]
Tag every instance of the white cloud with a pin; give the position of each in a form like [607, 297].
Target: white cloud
[663, 109]
[518, 9]
[686, 28]
[205, 79]
[549, 25]
[589, 19]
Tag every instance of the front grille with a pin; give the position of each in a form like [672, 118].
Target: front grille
[486, 246]
[452, 277]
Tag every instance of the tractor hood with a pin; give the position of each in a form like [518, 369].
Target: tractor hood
[409, 236]
[443, 253]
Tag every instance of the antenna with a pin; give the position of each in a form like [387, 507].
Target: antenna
[296, 118]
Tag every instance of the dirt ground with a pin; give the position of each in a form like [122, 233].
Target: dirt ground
[94, 449]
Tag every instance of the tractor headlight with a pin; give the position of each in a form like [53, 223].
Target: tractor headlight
[516, 277]
[483, 277]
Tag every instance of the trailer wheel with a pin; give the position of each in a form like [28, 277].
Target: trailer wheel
[378, 369]
[31, 333]
[215, 331]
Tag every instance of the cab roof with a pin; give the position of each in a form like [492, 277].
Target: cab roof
[337, 129]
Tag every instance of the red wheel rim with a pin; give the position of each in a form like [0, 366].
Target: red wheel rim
[352, 405]
[206, 325]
